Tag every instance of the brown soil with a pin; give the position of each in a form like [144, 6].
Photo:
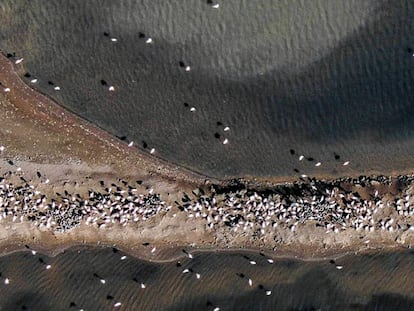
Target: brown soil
[39, 135]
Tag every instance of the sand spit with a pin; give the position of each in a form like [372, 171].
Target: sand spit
[305, 219]
[66, 182]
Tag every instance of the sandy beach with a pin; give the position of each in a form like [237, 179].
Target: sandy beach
[73, 155]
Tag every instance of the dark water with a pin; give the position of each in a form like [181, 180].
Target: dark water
[366, 282]
[319, 76]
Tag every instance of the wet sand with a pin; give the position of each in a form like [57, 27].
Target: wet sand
[73, 154]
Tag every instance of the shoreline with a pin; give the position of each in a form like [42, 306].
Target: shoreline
[171, 232]
[47, 109]
[167, 253]
[74, 154]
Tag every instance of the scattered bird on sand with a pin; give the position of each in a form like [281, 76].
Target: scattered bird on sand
[57, 88]
[187, 68]
[114, 39]
[198, 276]
[117, 304]
[149, 40]
[18, 61]
[123, 257]
[2, 148]
[250, 282]
[252, 262]
[226, 129]
[6, 281]
[111, 88]
[268, 292]
[192, 109]
[131, 144]
[318, 164]
[346, 163]
[301, 157]
[48, 267]
[7, 89]
[143, 285]
[33, 81]
[339, 267]
[225, 141]
[269, 260]
[152, 151]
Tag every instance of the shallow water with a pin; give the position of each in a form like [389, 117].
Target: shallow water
[320, 77]
[366, 282]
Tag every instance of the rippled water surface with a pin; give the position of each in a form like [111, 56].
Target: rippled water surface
[366, 282]
[320, 77]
